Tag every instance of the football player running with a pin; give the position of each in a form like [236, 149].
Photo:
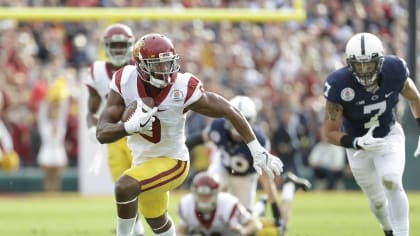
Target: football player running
[156, 134]
[118, 41]
[232, 163]
[360, 99]
[207, 211]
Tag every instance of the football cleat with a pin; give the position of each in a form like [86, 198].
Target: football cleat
[388, 233]
[300, 183]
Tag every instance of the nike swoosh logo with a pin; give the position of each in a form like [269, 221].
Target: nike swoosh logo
[388, 94]
[144, 124]
[160, 110]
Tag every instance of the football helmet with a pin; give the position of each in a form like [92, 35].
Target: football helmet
[156, 60]
[205, 190]
[365, 56]
[118, 40]
[248, 109]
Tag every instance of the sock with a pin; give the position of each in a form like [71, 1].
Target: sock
[125, 226]
[138, 227]
[170, 232]
[259, 207]
[276, 214]
[398, 208]
[288, 191]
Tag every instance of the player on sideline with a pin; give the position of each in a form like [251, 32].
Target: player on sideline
[9, 159]
[207, 211]
[118, 41]
[156, 134]
[232, 162]
[359, 115]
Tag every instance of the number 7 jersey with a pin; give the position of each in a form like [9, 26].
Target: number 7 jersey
[168, 137]
[362, 109]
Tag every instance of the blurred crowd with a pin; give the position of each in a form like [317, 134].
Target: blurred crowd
[281, 65]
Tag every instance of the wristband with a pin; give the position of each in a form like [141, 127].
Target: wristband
[129, 127]
[349, 141]
[254, 145]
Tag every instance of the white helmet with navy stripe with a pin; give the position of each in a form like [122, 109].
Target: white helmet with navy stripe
[365, 56]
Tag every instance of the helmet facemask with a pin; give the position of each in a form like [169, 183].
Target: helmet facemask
[118, 52]
[366, 72]
[160, 70]
[205, 199]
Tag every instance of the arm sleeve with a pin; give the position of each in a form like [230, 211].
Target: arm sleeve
[195, 91]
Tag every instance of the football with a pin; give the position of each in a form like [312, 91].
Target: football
[131, 108]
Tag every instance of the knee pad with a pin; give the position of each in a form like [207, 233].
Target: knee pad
[392, 182]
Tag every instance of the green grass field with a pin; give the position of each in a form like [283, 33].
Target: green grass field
[313, 214]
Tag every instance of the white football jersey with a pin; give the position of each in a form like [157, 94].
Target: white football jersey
[229, 212]
[168, 137]
[99, 77]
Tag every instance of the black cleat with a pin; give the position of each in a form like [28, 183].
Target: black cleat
[388, 233]
[300, 183]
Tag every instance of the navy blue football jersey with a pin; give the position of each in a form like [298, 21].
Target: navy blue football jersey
[363, 109]
[236, 157]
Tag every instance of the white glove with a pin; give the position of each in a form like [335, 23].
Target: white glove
[140, 121]
[417, 152]
[368, 143]
[263, 160]
[92, 134]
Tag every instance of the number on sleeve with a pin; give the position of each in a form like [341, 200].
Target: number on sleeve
[327, 88]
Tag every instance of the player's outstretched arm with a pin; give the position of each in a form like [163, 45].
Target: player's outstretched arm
[214, 105]
[109, 129]
[412, 95]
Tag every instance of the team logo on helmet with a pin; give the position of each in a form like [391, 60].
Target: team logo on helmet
[347, 94]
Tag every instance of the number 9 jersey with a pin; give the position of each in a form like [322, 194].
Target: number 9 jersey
[167, 138]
